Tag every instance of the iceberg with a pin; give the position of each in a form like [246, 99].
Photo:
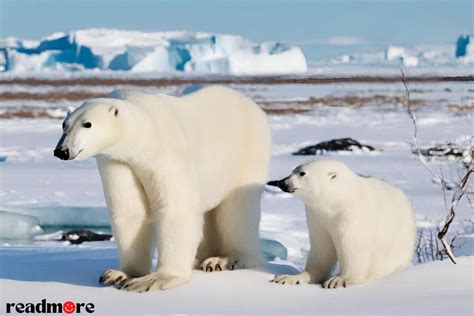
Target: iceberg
[157, 52]
[273, 250]
[18, 226]
[420, 55]
[395, 53]
[465, 48]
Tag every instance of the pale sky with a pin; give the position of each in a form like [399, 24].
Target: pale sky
[332, 25]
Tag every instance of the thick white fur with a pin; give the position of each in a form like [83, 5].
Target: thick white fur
[190, 170]
[364, 224]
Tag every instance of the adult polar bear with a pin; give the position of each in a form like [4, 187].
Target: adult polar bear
[190, 169]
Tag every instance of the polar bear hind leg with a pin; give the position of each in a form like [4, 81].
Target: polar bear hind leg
[208, 248]
[237, 219]
[128, 215]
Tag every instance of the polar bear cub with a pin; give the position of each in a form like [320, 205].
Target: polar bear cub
[187, 170]
[364, 224]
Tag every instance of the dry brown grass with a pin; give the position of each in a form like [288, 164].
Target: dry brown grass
[225, 80]
[462, 108]
[350, 100]
[22, 113]
[50, 96]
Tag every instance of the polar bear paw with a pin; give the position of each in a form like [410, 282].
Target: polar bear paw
[218, 264]
[335, 282]
[222, 263]
[152, 282]
[290, 279]
[112, 276]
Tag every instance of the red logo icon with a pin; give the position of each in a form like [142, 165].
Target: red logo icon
[69, 307]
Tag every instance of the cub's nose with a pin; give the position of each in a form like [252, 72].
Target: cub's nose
[280, 184]
[61, 153]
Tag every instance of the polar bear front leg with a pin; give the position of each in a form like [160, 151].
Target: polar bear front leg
[179, 224]
[178, 237]
[321, 258]
[353, 253]
[131, 229]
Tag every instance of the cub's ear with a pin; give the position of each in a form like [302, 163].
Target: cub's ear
[113, 109]
[332, 175]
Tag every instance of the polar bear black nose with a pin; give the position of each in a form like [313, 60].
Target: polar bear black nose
[61, 153]
[282, 184]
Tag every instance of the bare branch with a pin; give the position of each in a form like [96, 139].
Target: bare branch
[421, 158]
[457, 196]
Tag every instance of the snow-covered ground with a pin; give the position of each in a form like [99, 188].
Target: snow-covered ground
[68, 194]
[69, 273]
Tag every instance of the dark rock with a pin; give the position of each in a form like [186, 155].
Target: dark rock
[341, 144]
[76, 237]
[446, 150]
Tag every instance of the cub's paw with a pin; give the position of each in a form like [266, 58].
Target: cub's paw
[152, 282]
[290, 279]
[335, 282]
[112, 276]
[215, 264]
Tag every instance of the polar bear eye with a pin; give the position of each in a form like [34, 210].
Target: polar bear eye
[332, 175]
[302, 173]
[87, 125]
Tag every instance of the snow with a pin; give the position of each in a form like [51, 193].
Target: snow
[71, 273]
[156, 52]
[63, 195]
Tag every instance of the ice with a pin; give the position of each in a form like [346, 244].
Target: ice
[17, 226]
[418, 55]
[394, 53]
[273, 249]
[158, 52]
[57, 216]
[465, 48]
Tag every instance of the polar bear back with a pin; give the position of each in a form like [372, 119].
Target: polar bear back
[226, 132]
[227, 127]
[394, 234]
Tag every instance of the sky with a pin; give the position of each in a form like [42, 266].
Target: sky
[321, 27]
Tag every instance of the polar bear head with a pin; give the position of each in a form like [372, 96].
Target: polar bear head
[318, 180]
[89, 130]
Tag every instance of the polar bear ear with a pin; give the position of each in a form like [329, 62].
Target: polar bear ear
[113, 109]
[332, 175]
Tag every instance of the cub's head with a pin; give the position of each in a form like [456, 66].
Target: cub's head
[89, 130]
[317, 180]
